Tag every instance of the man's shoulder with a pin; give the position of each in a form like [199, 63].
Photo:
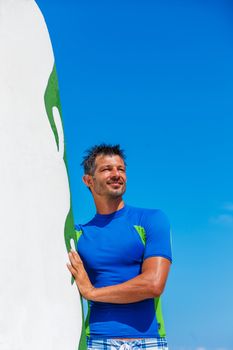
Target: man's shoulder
[146, 216]
[146, 212]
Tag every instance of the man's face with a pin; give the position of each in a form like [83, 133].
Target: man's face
[109, 178]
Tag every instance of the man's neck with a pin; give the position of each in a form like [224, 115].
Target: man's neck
[110, 206]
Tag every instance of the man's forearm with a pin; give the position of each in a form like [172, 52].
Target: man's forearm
[136, 289]
[149, 284]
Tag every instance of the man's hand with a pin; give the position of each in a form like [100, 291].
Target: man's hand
[80, 275]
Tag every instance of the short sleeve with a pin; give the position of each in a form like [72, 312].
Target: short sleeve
[158, 235]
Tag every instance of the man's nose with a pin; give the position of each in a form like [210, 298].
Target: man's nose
[115, 172]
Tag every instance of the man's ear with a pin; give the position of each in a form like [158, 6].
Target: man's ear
[87, 180]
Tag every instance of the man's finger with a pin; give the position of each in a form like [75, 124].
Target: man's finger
[71, 269]
[71, 258]
[75, 253]
[76, 256]
[76, 265]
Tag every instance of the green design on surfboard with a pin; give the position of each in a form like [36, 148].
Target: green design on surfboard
[52, 99]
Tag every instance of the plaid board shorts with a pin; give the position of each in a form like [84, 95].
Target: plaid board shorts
[137, 344]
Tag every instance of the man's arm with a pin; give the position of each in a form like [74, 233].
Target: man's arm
[149, 284]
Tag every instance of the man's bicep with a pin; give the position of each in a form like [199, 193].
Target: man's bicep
[157, 269]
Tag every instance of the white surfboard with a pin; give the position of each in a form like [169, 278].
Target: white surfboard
[39, 308]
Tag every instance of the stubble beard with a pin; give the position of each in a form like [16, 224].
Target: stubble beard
[117, 193]
[111, 194]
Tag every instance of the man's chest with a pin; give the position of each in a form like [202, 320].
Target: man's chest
[113, 245]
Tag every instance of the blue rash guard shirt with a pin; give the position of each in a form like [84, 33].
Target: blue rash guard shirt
[113, 248]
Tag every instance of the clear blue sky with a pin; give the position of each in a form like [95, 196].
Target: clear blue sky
[157, 77]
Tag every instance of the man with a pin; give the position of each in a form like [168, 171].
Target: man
[123, 260]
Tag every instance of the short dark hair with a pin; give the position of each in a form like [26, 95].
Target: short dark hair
[88, 162]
